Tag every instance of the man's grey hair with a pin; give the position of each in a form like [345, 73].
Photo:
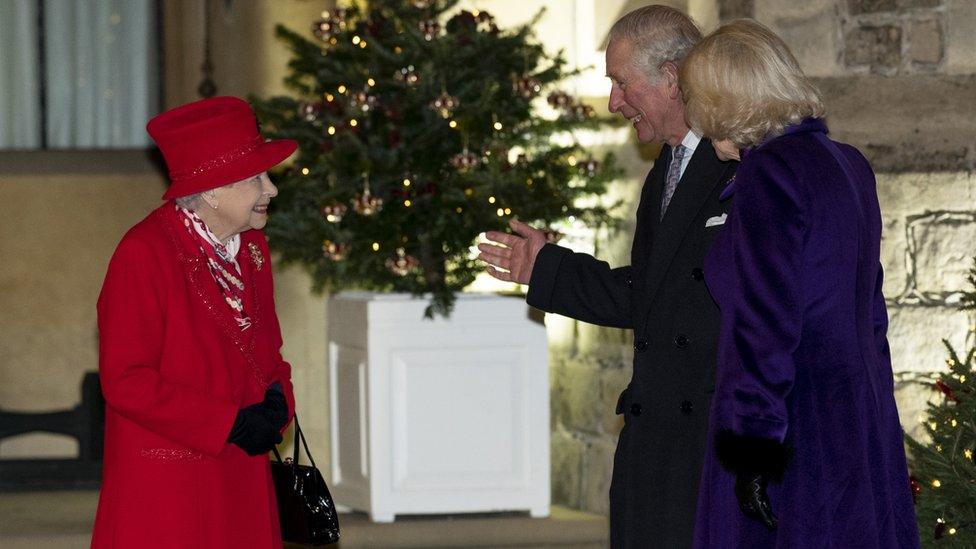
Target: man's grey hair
[189, 202]
[658, 34]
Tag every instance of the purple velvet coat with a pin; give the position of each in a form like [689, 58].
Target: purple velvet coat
[803, 356]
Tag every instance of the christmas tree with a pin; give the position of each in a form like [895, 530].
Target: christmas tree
[415, 137]
[944, 470]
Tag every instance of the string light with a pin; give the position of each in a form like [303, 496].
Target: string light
[406, 182]
[458, 209]
[355, 40]
[508, 211]
[371, 82]
[952, 531]
[341, 88]
[332, 130]
[491, 199]
[497, 125]
[354, 122]
[407, 203]
[500, 212]
[468, 192]
[452, 123]
[572, 160]
[304, 171]
[329, 97]
[362, 45]
[954, 423]
[376, 246]
[968, 453]
[936, 484]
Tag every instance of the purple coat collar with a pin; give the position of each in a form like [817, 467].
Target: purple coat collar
[808, 125]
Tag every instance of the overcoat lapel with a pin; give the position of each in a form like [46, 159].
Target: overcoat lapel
[703, 173]
[205, 290]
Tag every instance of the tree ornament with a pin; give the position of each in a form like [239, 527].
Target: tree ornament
[429, 29]
[444, 104]
[940, 527]
[331, 23]
[527, 87]
[522, 161]
[589, 166]
[946, 390]
[365, 203]
[402, 264]
[916, 488]
[333, 250]
[465, 160]
[363, 101]
[309, 111]
[407, 75]
[333, 212]
[559, 99]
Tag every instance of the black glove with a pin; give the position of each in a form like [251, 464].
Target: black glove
[274, 407]
[253, 432]
[754, 462]
[750, 490]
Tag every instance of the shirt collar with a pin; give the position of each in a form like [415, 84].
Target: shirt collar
[691, 141]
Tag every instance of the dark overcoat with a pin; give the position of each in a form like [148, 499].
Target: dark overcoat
[803, 357]
[663, 298]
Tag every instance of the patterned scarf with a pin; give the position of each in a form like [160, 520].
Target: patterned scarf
[223, 265]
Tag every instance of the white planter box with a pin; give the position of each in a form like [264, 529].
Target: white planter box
[442, 416]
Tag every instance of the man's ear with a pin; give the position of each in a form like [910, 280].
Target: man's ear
[669, 75]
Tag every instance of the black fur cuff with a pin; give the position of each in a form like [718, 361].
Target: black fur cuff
[749, 455]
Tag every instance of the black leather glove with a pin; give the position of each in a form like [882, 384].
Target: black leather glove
[755, 462]
[274, 407]
[253, 432]
[750, 490]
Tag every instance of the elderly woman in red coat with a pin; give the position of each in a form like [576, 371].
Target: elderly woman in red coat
[196, 389]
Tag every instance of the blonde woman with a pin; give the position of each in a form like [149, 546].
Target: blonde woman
[805, 448]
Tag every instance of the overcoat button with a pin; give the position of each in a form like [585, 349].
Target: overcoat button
[635, 409]
[640, 345]
[686, 407]
[681, 340]
[697, 274]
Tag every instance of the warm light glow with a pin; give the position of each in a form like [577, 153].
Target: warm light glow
[468, 192]
[331, 218]
[458, 209]
[572, 160]
[491, 199]
[936, 483]
[362, 44]
[954, 423]
[341, 88]
[406, 182]
[498, 125]
[376, 246]
[398, 50]
[452, 124]
[355, 39]
[331, 130]
[500, 212]
[333, 41]
[353, 122]
[968, 453]
[304, 171]
[952, 531]
[371, 82]
[407, 203]
[329, 97]
[508, 211]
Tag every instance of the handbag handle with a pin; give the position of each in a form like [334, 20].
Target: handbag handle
[299, 436]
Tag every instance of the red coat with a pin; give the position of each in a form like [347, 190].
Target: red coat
[175, 368]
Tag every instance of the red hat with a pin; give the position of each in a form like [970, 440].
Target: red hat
[213, 142]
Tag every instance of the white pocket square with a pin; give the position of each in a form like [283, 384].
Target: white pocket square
[717, 220]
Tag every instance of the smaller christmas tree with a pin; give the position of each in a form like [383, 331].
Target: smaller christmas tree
[944, 470]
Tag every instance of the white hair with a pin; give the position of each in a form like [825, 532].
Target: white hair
[659, 34]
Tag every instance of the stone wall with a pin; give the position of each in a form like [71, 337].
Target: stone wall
[899, 80]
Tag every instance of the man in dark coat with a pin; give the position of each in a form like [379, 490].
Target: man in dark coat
[661, 295]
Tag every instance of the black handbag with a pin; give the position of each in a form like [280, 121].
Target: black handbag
[305, 507]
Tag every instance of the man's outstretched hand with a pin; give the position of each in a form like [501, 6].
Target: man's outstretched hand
[513, 260]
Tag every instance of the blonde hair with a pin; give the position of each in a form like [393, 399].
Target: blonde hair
[743, 84]
[658, 34]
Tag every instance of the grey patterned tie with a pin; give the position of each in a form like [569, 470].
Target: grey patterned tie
[674, 174]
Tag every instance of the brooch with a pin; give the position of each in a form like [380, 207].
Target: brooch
[256, 257]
